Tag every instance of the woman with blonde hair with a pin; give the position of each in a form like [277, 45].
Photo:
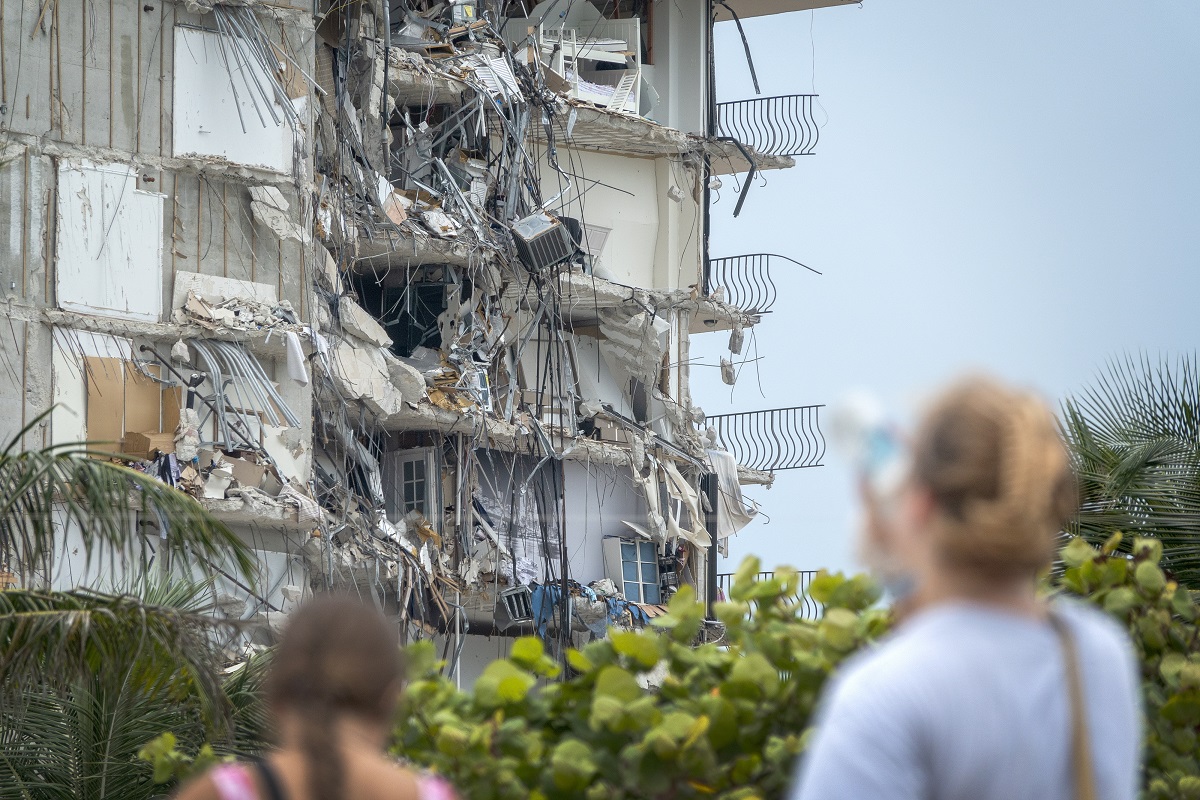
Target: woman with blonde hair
[334, 682]
[984, 691]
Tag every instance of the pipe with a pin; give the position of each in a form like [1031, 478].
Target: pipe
[708, 485]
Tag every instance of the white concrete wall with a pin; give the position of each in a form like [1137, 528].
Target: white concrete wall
[677, 73]
[477, 653]
[654, 241]
[598, 497]
[220, 110]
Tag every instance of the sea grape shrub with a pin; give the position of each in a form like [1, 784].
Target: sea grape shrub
[726, 719]
[1161, 616]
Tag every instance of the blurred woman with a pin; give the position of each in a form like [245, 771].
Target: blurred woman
[984, 691]
[332, 690]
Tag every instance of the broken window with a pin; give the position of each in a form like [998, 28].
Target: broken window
[518, 498]
[109, 242]
[409, 310]
[410, 483]
[637, 577]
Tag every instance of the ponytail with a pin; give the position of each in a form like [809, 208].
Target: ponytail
[338, 659]
[323, 756]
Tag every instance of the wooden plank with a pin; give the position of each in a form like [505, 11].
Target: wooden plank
[105, 401]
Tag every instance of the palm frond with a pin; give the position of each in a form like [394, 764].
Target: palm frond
[244, 687]
[57, 639]
[1135, 442]
[79, 742]
[45, 492]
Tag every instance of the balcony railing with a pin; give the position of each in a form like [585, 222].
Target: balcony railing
[747, 279]
[809, 608]
[775, 126]
[772, 440]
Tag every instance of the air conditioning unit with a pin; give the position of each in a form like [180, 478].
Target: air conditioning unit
[542, 241]
[514, 606]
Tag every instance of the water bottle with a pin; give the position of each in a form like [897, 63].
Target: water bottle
[861, 429]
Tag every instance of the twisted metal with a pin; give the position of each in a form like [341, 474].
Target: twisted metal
[809, 608]
[772, 440]
[747, 280]
[775, 126]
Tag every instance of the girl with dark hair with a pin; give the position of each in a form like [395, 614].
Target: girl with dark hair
[333, 686]
[985, 691]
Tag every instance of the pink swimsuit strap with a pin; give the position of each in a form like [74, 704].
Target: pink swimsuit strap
[431, 787]
[234, 782]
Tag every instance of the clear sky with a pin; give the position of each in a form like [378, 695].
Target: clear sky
[1011, 187]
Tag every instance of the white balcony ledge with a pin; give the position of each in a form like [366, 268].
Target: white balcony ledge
[272, 515]
[762, 8]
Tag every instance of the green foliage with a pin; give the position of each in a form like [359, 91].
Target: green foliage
[726, 721]
[86, 680]
[730, 718]
[1161, 616]
[172, 765]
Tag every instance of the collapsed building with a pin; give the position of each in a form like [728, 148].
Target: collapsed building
[401, 291]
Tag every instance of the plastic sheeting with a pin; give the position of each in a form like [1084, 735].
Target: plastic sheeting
[732, 514]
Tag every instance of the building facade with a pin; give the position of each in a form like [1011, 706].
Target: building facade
[402, 291]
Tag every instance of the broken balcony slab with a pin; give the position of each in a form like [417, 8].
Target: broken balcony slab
[265, 342]
[583, 296]
[148, 164]
[405, 246]
[713, 315]
[275, 516]
[412, 82]
[498, 434]
[727, 159]
[754, 477]
[588, 127]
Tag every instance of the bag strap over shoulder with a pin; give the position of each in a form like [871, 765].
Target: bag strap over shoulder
[270, 780]
[1081, 746]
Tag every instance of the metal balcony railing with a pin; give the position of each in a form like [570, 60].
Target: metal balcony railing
[747, 280]
[772, 440]
[775, 126]
[809, 608]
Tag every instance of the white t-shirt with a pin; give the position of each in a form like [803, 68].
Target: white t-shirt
[968, 702]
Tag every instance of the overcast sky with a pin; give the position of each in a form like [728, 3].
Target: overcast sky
[1011, 187]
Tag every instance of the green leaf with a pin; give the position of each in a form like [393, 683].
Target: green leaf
[642, 648]
[527, 652]
[1150, 578]
[618, 684]
[823, 586]
[572, 765]
[837, 629]
[755, 676]
[1120, 600]
[502, 683]
[1077, 553]
[1183, 709]
[579, 662]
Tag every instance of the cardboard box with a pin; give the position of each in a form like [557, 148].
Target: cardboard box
[246, 473]
[146, 445]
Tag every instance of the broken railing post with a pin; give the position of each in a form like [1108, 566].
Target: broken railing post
[737, 209]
